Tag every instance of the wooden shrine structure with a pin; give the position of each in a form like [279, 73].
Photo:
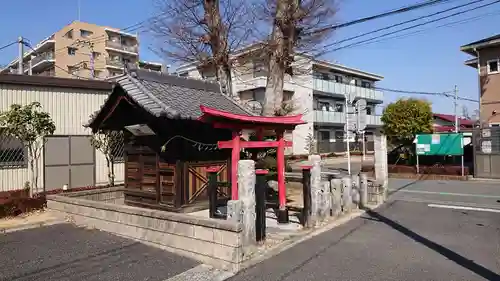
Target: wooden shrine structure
[174, 129]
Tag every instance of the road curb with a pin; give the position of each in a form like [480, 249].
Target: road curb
[6, 230]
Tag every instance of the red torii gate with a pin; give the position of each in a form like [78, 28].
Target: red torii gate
[237, 123]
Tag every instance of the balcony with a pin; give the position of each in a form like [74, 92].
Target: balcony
[118, 46]
[332, 87]
[115, 63]
[333, 117]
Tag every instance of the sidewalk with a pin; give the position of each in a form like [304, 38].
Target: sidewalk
[30, 220]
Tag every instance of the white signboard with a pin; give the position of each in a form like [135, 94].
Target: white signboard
[361, 112]
[486, 146]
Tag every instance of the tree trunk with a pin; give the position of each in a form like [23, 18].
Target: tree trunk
[217, 34]
[281, 49]
[111, 176]
[224, 76]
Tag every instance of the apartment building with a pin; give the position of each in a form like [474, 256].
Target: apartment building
[486, 59]
[317, 89]
[83, 50]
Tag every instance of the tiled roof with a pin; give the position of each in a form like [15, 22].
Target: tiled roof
[451, 118]
[176, 97]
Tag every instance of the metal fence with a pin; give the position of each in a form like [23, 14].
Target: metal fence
[14, 172]
[13, 154]
[341, 146]
[486, 143]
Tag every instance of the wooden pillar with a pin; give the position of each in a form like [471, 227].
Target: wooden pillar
[280, 166]
[235, 157]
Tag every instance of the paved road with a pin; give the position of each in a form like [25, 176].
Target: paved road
[402, 240]
[64, 252]
[463, 193]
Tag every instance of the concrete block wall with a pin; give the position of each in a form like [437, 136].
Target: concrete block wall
[112, 195]
[214, 242]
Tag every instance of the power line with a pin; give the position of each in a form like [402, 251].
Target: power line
[8, 45]
[382, 15]
[70, 72]
[407, 28]
[448, 94]
[401, 23]
[462, 21]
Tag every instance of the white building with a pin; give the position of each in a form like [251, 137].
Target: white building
[68, 157]
[317, 90]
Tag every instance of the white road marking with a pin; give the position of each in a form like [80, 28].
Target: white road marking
[445, 193]
[464, 208]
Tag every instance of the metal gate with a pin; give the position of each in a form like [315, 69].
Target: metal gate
[486, 152]
[68, 160]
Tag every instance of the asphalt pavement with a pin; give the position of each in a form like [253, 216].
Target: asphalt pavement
[411, 237]
[65, 252]
[461, 193]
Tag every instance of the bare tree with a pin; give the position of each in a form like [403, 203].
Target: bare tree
[298, 25]
[204, 32]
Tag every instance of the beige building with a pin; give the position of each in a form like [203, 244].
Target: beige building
[486, 58]
[83, 50]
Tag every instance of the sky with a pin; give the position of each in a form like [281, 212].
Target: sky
[428, 61]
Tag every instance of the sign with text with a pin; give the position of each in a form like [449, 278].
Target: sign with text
[439, 144]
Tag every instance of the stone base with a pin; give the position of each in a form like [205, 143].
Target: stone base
[283, 216]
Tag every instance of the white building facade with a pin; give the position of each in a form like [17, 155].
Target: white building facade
[317, 90]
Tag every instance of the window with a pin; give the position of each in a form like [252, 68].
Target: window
[72, 51]
[357, 82]
[339, 79]
[366, 84]
[117, 148]
[494, 125]
[339, 135]
[183, 74]
[259, 68]
[69, 34]
[324, 106]
[85, 33]
[12, 151]
[368, 110]
[492, 66]
[339, 107]
[368, 136]
[324, 135]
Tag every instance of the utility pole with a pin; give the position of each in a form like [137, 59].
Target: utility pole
[347, 103]
[20, 42]
[455, 92]
[92, 61]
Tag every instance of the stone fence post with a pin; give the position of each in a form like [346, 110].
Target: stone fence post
[315, 161]
[381, 167]
[246, 194]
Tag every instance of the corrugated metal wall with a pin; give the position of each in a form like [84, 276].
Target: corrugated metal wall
[70, 109]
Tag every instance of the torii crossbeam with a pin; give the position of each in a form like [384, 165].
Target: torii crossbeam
[237, 123]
